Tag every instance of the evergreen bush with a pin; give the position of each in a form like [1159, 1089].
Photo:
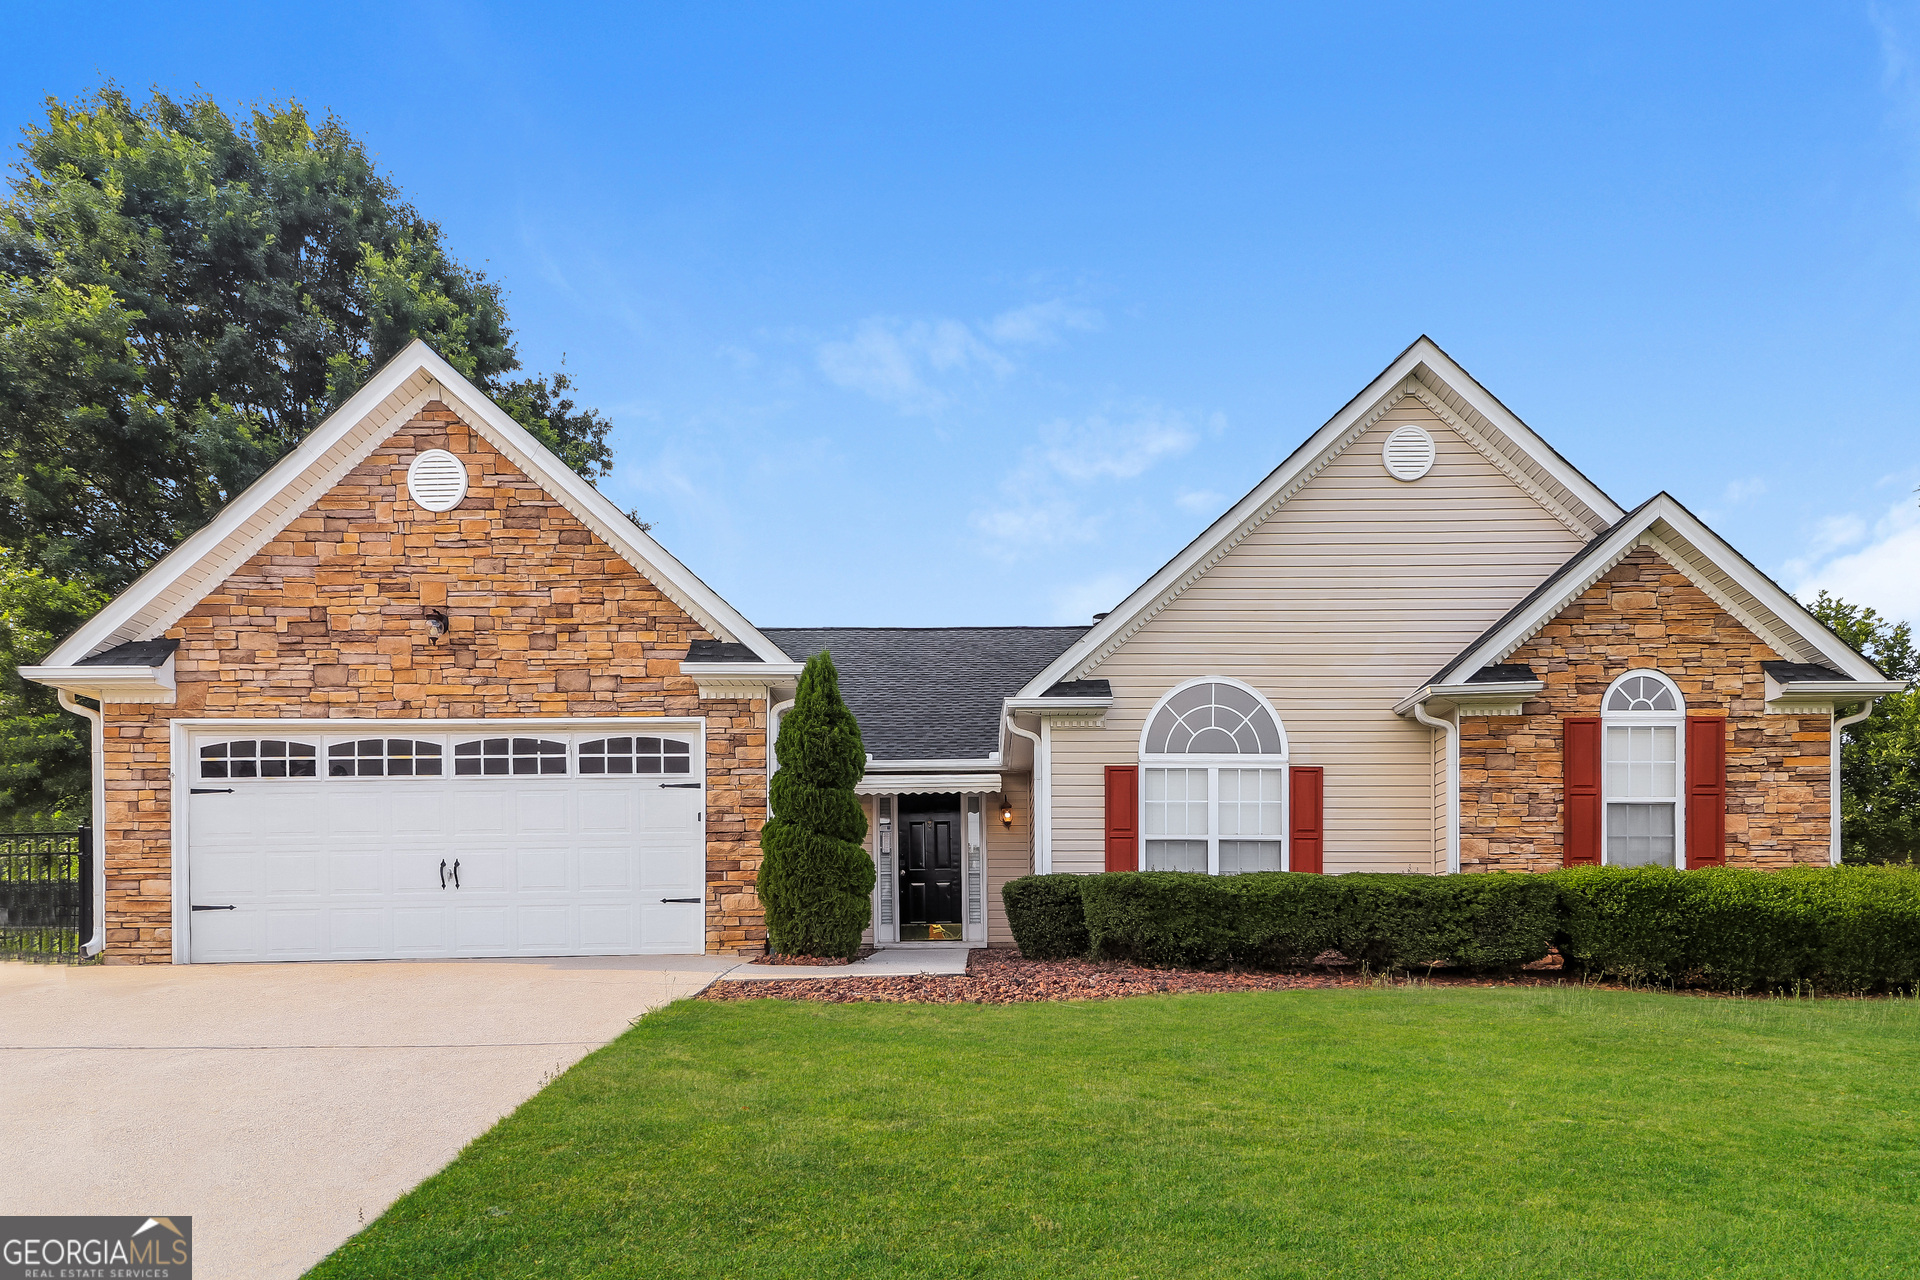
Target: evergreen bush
[1046, 916]
[816, 880]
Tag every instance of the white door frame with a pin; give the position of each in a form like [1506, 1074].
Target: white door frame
[180, 773]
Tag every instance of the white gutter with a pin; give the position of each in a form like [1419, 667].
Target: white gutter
[1452, 730]
[97, 747]
[1833, 790]
[1042, 793]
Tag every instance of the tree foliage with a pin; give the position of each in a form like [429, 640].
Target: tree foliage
[183, 297]
[43, 749]
[815, 878]
[1880, 758]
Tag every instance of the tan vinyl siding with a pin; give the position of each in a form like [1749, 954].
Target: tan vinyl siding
[1344, 601]
[1009, 854]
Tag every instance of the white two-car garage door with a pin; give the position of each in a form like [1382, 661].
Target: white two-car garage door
[495, 840]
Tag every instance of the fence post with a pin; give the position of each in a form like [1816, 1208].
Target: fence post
[85, 930]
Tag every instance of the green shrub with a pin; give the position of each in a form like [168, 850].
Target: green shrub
[1739, 929]
[1275, 919]
[1046, 916]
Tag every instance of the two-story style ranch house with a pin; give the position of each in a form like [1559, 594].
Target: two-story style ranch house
[424, 692]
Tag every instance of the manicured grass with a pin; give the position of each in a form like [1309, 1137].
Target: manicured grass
[1390, 1132]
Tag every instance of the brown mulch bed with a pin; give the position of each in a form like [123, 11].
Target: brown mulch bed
[1001, 975]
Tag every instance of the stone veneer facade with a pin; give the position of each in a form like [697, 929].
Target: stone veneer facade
[328, 620]
[1643, 613]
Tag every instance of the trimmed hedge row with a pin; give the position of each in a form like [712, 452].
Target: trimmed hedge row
[1840, 928]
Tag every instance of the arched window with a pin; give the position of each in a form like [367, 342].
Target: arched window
[636, 755]
[1213, 764]
[258, 758]
[383, 758]
[1642, 788]
[490, 757]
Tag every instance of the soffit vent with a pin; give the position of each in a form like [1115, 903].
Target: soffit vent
[1408, 453]
[437, 480]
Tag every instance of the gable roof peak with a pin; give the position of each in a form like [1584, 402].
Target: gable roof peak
[416, 376]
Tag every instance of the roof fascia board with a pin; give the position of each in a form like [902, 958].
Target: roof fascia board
[233, 518]
[1481, 691]
[1488, 406]
[1644, 530]
[448, 385]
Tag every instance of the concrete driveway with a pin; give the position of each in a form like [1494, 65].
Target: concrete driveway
[284, 1105]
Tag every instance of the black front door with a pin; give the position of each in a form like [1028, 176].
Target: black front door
[930, 877]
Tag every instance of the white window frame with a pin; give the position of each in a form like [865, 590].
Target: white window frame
[1213, 763]
[1677, 719]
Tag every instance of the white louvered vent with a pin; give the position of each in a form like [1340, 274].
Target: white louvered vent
[437, 480]
[1408, 453]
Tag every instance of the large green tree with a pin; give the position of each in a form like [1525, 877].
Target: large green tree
[1880, 758]
[815, 878]
[43, 750]
[184, 296]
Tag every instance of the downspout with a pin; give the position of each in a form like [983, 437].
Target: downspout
[97, 747]
[1042, 797]
[1833, 788]
[1452, 730]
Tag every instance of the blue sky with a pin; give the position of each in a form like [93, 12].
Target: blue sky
[927, 315]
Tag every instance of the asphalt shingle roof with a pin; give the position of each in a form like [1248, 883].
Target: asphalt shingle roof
[929, 693]
[134, 653]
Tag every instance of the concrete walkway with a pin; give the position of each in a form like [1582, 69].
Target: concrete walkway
[888, 963]
[284, 1105]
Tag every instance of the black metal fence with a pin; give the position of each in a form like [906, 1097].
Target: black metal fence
[46, 895]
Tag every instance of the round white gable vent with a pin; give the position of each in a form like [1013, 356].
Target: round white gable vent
[437, 480]
[1408, 453]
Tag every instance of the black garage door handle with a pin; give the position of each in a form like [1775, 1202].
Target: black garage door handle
[213, 908]
[679, 899]
[688, 785]
[210, 791]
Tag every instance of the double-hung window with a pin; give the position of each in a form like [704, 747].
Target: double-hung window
[1642, 716]
[1213, 765]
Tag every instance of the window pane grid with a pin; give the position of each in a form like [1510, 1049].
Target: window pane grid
[258, 758]
[492, 757]
[636, 755]
[383, 757]
[1176, 803]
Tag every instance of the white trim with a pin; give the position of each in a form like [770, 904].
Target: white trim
[900, 784]
[110, 684]
[1676, 720]
[1833, 764]
[185, 576]
[1484, 698]
[1660, 523]
[180, 774]
[1394, 384]
[97, 809]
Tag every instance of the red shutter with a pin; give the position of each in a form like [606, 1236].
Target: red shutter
[1580, 753]
[1306, 801]
[1123, 817]
[1706, 791]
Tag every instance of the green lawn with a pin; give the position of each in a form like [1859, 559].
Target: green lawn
[1387, 1132]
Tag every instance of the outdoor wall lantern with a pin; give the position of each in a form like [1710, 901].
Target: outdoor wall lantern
[436, 625]
[1006, 812]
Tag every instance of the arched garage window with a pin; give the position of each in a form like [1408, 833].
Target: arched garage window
[636, 755]
[491, 757]
[383, 758]
[1643, 715]
[258, 758]
[1213, 777]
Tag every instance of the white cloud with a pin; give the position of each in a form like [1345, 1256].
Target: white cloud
[1201, 502]
[1041, 323]
[1741, 490]
[1079, 602]
[1034, 525]
[1100, 448]
[891, 360]
[913, 365]
[1884, 574]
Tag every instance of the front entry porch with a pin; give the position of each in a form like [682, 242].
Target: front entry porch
[930, 869]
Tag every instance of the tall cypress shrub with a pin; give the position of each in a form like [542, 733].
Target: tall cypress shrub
[815, 878]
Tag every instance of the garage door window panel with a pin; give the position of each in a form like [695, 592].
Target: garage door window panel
[258, 758]
[636, 755]
[509, 757]
[384, 758]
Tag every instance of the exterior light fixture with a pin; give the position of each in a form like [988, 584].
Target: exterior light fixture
[436, 625]
[1006, 812]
